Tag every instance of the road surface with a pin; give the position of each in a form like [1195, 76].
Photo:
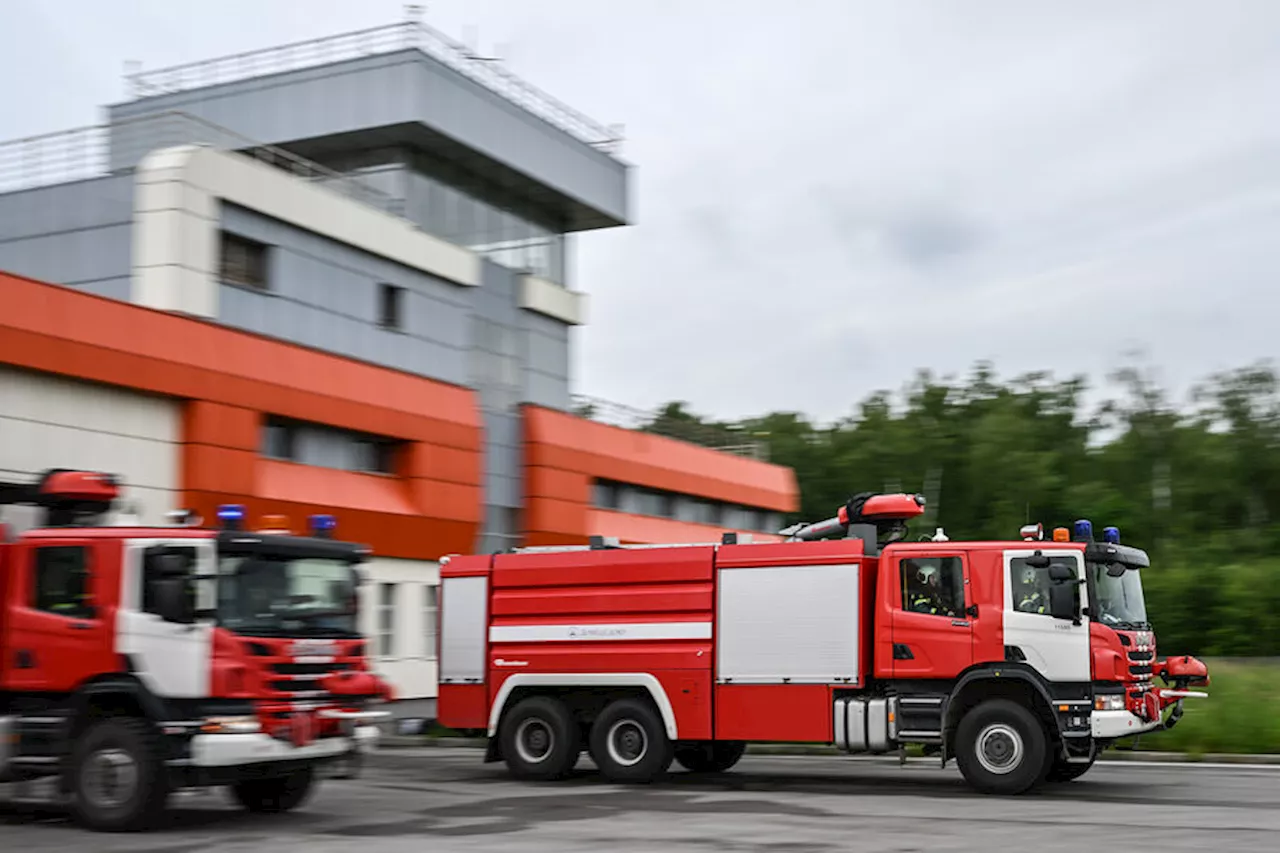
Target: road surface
[446, 800]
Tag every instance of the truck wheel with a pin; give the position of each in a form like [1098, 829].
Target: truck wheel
[1061, 771]
[276, 795]
[118, 781]
[629, 743]
[714, 756]
[1001, 748]
[540, 739]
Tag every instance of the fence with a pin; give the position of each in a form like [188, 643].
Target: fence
[413, 33]
[101, 150]
[726, 439]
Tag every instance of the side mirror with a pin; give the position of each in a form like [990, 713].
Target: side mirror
[1038, 561]
[1062, 602]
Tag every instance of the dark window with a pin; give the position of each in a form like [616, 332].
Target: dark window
[390, 299]
[1030, 586]
[243, 262]
[278, 440]
[374, 456]
[62, 581]
[933, 585]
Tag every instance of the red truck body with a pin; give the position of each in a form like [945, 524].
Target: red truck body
[186, 656]
[717, 645]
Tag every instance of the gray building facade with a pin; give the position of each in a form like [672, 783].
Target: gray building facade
[404, 120]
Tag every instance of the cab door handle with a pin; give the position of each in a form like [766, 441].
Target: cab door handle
[80, 626]
[959, 623]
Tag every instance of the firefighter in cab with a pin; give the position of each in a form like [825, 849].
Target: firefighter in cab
[1031, 599]
[926, 597]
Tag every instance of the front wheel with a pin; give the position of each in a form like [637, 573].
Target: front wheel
[629, 743]
[277, 795]
[117, 779]
[1001, 748]
[714, 756]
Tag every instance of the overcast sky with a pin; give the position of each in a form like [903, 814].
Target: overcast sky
[830, 195]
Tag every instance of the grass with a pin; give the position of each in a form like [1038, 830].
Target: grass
[1241, 715]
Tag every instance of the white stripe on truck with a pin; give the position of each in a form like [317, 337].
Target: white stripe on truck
[607, 631]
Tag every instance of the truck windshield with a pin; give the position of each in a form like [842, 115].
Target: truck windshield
[267, 595]
[1120, 602]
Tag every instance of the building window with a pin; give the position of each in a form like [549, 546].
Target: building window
[386, 619]
[656, 503]
[430, 620]
[243, 262]
[327, 447]
[62, 581]
[390, 303]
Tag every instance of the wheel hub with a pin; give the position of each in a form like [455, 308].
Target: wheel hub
[111, 777]
[1000, 749]
[627, 742]
[534, 741]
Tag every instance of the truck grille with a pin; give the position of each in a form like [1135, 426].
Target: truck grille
[302, 680]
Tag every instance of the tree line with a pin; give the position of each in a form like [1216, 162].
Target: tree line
[1195, 482]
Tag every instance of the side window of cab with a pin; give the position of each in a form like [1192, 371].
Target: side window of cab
[933, 585]
[1029, 585]
[60, 582]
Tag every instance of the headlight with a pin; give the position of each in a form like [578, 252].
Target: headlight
[231, 725]
[1109, 702]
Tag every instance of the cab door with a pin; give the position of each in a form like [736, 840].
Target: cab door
[1056, 648]
[60, 632]
[934, 641]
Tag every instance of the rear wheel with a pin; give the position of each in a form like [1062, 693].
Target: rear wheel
[714, 756]
[1001, 748]
[118, 781]
[540, 739]
[629, 743]
[276, 795]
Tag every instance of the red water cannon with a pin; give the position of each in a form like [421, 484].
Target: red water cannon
[68, 497]
[887, 514]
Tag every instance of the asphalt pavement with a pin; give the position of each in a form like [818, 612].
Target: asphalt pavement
[443, 799]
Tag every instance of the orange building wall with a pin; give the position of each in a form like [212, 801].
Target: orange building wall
[230, 379]
[563, 454]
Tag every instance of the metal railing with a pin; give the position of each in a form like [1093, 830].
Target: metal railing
[94, 152]
[412, 33]
[726, 439]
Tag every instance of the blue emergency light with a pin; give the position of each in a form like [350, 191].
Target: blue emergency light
[322, 525]
[1111, 534]
[231, 516]
[1084, 530]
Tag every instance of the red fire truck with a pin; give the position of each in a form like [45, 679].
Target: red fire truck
[135, 661]
[1022, 660]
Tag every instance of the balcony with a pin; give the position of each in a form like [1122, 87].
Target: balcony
[673, 422]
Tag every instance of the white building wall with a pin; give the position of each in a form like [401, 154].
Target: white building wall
[50, 421]
[412, 662]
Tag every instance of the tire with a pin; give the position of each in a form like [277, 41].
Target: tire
[117, 777]
[540, 739]
[276, 795]
[714, 756]
[1001, 748]
[1061, 771]
[629, 743]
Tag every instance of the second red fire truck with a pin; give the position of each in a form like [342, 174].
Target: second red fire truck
[1022, 660]
[138, 660]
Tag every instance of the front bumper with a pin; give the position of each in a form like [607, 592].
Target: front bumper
[1109, 725]
[245, 750]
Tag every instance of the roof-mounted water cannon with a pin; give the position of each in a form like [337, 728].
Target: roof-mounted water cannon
[876, 519]
[69, 498]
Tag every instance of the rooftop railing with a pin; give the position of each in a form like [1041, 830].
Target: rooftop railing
[726, 439]
[101, 150]
[411, 33]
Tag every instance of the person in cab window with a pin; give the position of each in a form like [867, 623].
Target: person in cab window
[925, 598]
[1030, 598]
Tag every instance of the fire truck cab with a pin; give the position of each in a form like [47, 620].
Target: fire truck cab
[135, 661]
[1022, 660]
